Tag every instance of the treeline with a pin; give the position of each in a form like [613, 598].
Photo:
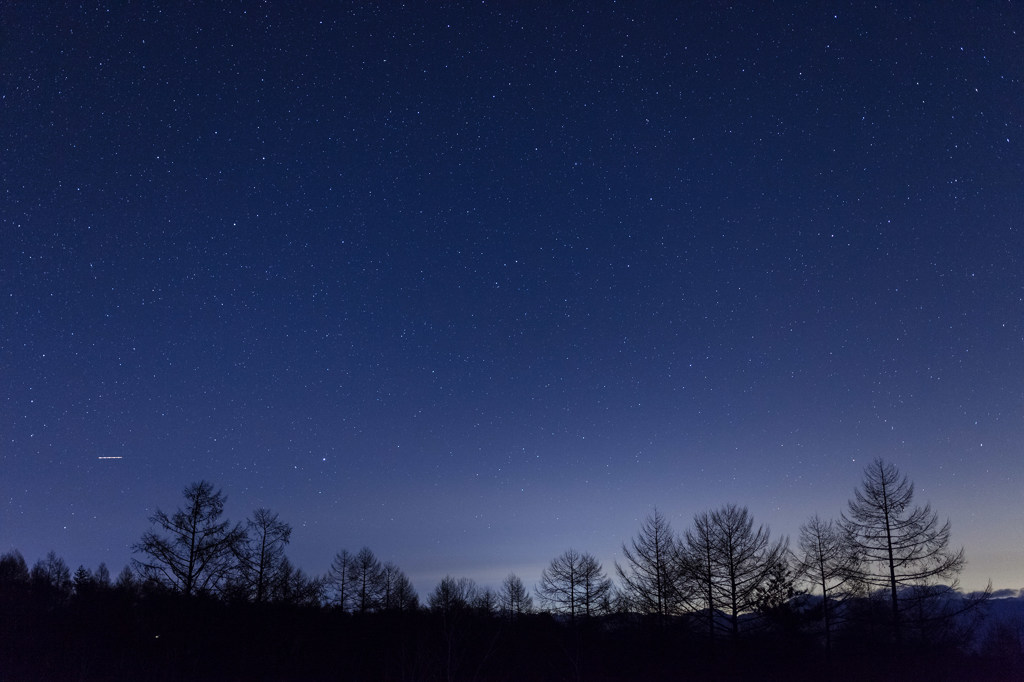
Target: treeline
[869, 595]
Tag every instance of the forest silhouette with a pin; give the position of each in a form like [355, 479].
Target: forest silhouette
[870, 595]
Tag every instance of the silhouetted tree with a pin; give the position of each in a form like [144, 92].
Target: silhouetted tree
[397, 592]
[746, 558]
[773, 599]
[486, 601]
[403, 595]
[597, 587]
[102, 576]
[197, 551]
[15, 588]
[14, 577]
[899, 544]
[339, 579]
[13, 569]
[292, 586]
[83, 580]
[451, 602]
[365, 574]
[452, 595]
[126, 581]
[575, 584]
[827, 562]
[262, 555]
[651, 581]
[699, 564]
[732, 562]
[514, 600]
[51, 578]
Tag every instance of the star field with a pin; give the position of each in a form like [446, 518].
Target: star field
[473, 284]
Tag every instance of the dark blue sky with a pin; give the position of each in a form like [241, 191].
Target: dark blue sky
[473, 284]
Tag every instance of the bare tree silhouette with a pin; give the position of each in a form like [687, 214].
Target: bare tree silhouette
[574, 583]
[899, 544]
[192, 550]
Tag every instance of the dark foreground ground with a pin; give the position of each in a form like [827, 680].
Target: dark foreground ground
[161, 637]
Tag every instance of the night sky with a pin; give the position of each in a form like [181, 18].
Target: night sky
[475, 283]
